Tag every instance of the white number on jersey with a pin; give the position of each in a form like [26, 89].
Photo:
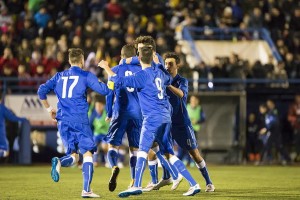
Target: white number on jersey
[70, 91]
[129, 73]
[159, 87]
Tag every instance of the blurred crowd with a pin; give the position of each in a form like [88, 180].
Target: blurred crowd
[36, 34]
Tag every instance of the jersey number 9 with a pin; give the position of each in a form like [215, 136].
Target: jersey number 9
[129, 73]
[159, 87]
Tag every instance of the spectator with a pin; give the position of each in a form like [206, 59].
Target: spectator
[42, 18]
[24, 51]
[29, 32]
[36, 59]
[256, 18]
[97, 11]
[77, 10]
[23, 76]
[8, 59]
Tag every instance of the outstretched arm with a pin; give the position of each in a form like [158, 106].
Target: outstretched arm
[11, 116]
[104, 65]
[136, 80]
[178, 92]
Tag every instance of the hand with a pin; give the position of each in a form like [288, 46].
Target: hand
[155, 59]
[103, 64]
[107, 119]
[53, 115]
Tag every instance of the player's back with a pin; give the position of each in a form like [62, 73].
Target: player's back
[71, 87]
[153, 99]
[179, 114]
[126, 98]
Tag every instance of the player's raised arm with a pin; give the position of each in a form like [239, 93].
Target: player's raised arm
[97, 86]
[135, 81]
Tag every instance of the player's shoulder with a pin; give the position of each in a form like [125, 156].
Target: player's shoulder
[181, 78]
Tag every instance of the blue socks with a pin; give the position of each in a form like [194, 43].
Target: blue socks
[182, 170]
[202, 167]
[87, 173]
[140, 168]
[112, 156]
[67, 161]
[153, 170]
[167, 167]
[132, 164]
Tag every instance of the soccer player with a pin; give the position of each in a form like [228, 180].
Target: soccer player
[182, 129]
[155, 153]
[6, 114]
[125, 116]
[70, 87]
[151, 83]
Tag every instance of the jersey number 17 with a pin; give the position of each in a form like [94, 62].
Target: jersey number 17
[65, 81]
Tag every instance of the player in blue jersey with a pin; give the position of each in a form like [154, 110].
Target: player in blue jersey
[6, 114]
[125, 113]
[151, 83]
[154, 153]
[182, 130]
[70, 87]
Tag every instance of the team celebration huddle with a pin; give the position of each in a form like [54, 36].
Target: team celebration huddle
[146, 99]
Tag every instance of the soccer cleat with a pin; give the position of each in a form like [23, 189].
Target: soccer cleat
[113, 179]
[177, 182]
[149, 187]
[193, 190]
[131, 191]
[55, 163]
[89, 194]
[162, 183]
[210, 188]
[131, 183]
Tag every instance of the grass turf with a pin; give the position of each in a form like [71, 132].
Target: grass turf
[232, 182]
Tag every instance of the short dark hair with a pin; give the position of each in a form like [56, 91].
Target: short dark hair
[146, 40]
[146, 54]
[172, 55]
[128, 51]
[75, 55]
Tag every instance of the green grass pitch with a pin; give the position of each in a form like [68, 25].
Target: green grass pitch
[232, 182]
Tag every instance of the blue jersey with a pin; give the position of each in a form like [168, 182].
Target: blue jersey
[151, 84]
[70, 87]
[124, 100]
[179, 115]
[6, 114]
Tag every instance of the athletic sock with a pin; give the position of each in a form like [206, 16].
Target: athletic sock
[67, 161]
[140, 168]
[153, 164]
[203, 169]
[87, 173]
[112, 156]
[132, 163]
[182, 170]
[167, 167]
